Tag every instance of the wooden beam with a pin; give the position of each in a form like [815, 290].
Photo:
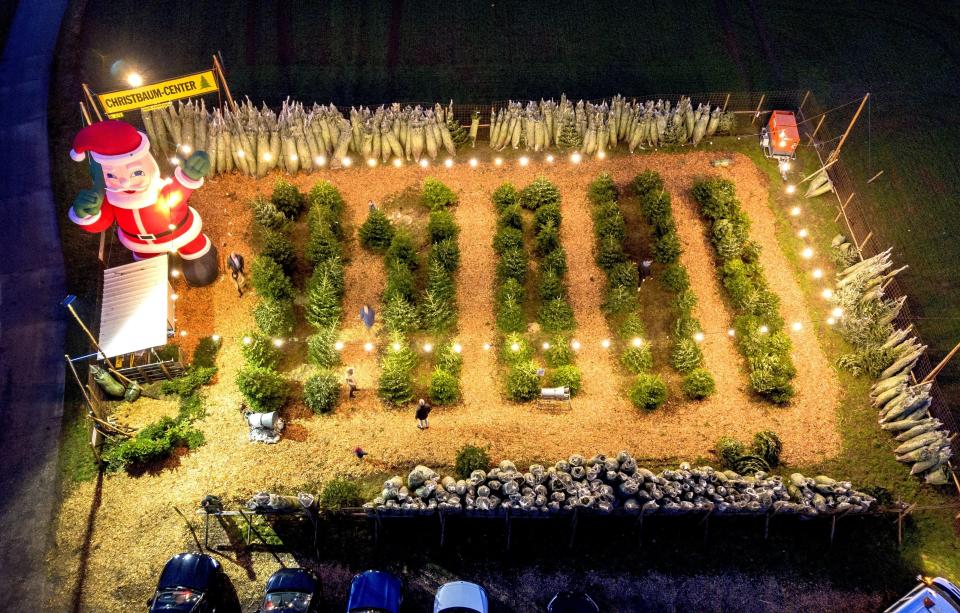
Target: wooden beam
[223, 79]
[864, 243]
[725, 102]
[836, 152]
[92, 101]
[817, 129]
[759, 106]
[843, 207]
[816, 172]
[874, 177]
[802, 102]
[85, 114]
[936, 369]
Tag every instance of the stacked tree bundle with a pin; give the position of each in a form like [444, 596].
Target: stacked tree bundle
[820, 184]
[605, 485]
[596, 128]
[889, 355]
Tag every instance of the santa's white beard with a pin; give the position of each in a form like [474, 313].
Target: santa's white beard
[137, 200]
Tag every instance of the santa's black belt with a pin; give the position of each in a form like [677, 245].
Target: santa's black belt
[153, 237]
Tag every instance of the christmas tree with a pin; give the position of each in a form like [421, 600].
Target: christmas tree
[569, 138]
[459, 134]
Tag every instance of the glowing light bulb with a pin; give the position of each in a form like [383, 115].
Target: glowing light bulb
[797, 326]
[424, 163]
[395, 346]
[174, 273]
[397, 162]
[523, 161]
[575, 157]
[549, 158]
[786, 165]
[803, 233]
[515, 347]
[320, 160]
[795, 211]
[240, 153]
[698, 337]
[546, 346]
[837, 312]
[831, 321]
[486, 346]
[278, 342]
[791, 188]
[575, 345]
[498, 162]
[731, 332]
[338, 345]
[215, 338]
[601, 155]
[428, 347]
[174, 297]
[186, 149]
[817, 273]
[368, 346]
[827, 293]
[605, 343]
[457, 348]
[371, 162]
[134, 79]
[247, 340]
[293, 156]
[183, 332]
[637, 341]
[171, 226]
[267, 157]
[473, 162]
[175, 161]
[807, 253]
[764, 329]
[448, 162]
[346, 162]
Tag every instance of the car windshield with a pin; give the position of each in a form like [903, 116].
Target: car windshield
[178, 599]
[286, 601]
[458, 610]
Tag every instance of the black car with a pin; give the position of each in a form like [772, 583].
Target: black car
[194, 583]
[292, 589]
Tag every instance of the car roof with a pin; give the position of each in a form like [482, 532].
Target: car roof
[944, 596]
[291, 580]
[375, 589]
[192, 570]
[461, 594]
[572, 602]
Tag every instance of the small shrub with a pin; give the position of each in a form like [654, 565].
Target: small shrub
[632, 327]
[667, 249]
[716, 197]
[269, 280]
[515, 349]
[321, 392]
[686, 355]
[648, 392]
[376, 232]
[322, 348]
[551, 287]
[729, 450]
[260, 351]
[567, 376]
[402, 250]
[506, 238]
[288, 199]
[396, 381]
[625, 274]
[437, 311]
[546, 215]
[318, 217]
[444, 387]
[539, 193]
[195, 378]
[264, 389]
[449, 360]
[560, 353]
[442, 226]
[510, 315]
[155, 442]
[324, 196]
[647, 182]
[323, 304]
[523, 383]
[267, 216]
[274, 317]
[400, 315]
[610, 253]
[510, 289]
[767, 445]
[512, 265]
[675, 277]
[400, 282]
[556, 316]
[547, 239]
[698, 384]
[322, 245]
[205, 353]
[602, 189]
[611, 224]
[341, 493]
[504, 196]
[279, 248]
[471, 458]
[329, 271]
[619, 300]
[637, 359]
[511, 217]
[436, 195]
[446, 253]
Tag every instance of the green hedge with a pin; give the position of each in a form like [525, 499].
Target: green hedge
[504, 196]
[321, 392]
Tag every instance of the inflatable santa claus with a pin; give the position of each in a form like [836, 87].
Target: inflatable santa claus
[152, 214]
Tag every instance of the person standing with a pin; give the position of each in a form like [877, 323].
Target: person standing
[367, 316]
[360, 453]
[646, 269]
[371, 205]
[351, 382]
[235, 263]
[423, 411]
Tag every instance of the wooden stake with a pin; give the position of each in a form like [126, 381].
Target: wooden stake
[874, 177]
[757, 112]
[92, 101]
[85, 114]
[864, 243]
[936, 369]
[816, 172]
[836, 152]
[817, 129]
[725, 102]
[802, 102]
[223, 79]
[843, 207]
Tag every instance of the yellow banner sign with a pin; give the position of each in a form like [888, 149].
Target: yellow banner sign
[116, 103]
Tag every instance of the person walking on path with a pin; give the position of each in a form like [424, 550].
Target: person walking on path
[367, 316]
[646, 269]
[235, 263]
[372, 205]
[360, 453]
[423, 411]
[351, 382]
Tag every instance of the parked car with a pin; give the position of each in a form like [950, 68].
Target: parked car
[292, 589]
[375, 591]
[572, 602]
[937, 595]
[460, 597]
[194, 583]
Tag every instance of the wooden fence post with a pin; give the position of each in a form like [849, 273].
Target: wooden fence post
[756, 113]
[836, 152]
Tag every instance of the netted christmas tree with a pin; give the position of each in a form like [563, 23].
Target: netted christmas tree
[569, 138]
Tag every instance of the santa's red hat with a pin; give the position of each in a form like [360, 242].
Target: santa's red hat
[110, 141]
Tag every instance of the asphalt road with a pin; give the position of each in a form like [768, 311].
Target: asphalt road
[31, 287]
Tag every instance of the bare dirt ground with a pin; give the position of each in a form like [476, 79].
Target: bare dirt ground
[137, 529]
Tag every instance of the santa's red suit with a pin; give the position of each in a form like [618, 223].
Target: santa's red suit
[152, 213]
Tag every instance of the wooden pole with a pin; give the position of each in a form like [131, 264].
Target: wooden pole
[759, 106]
[96, 345]
[874, 177]
[223, 79]
[836, 152]
[843, 207]
[92, 101]
[725, 102]
[936, 369]
[817, 129]
[802, 102]
[85, 114]
[864, 243]
[816, 172]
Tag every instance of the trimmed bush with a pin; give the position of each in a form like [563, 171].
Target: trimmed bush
[322, 348]
[648, 181]
[512, 265]
[511, 217]
[610, 224]
[506, 238]
[154, 442]
[767, 445]
[396, 367]
[504, 196]
[269, 280]
[444, 387]
[632, 327]
[321, 392]
[729, 450]
[510, 288]
[546, 215]
[539, 193]
[717, 197]
[323, 304]
[547, 239]
[602, 189]
[637, 359]
[274, 317]
[667, 249]
[648, 392]
[402, 250]
[322, 245]
[400, 282]
[523, 383]
[437, 312]
[264, 389]
[686, 355]
[556, 316]
[330, 271]
[279, 248]
[260, 351]
[471, 458]
[376, 232]
[698, 384]
[266, 215]
[560, 353]
[446, 253]
[436, 195]
[619, 300]
[341, 493]
[567, 376]
[326, 197]
[288, 199]
[675, 277]
[187, 384]
[205, 353]
[442, 226]
[551, 287]
[625, 274]
[555, 261]
[510, 315]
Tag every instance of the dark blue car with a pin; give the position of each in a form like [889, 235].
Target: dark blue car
[292, 589]
[375, 591]
[192, 583]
